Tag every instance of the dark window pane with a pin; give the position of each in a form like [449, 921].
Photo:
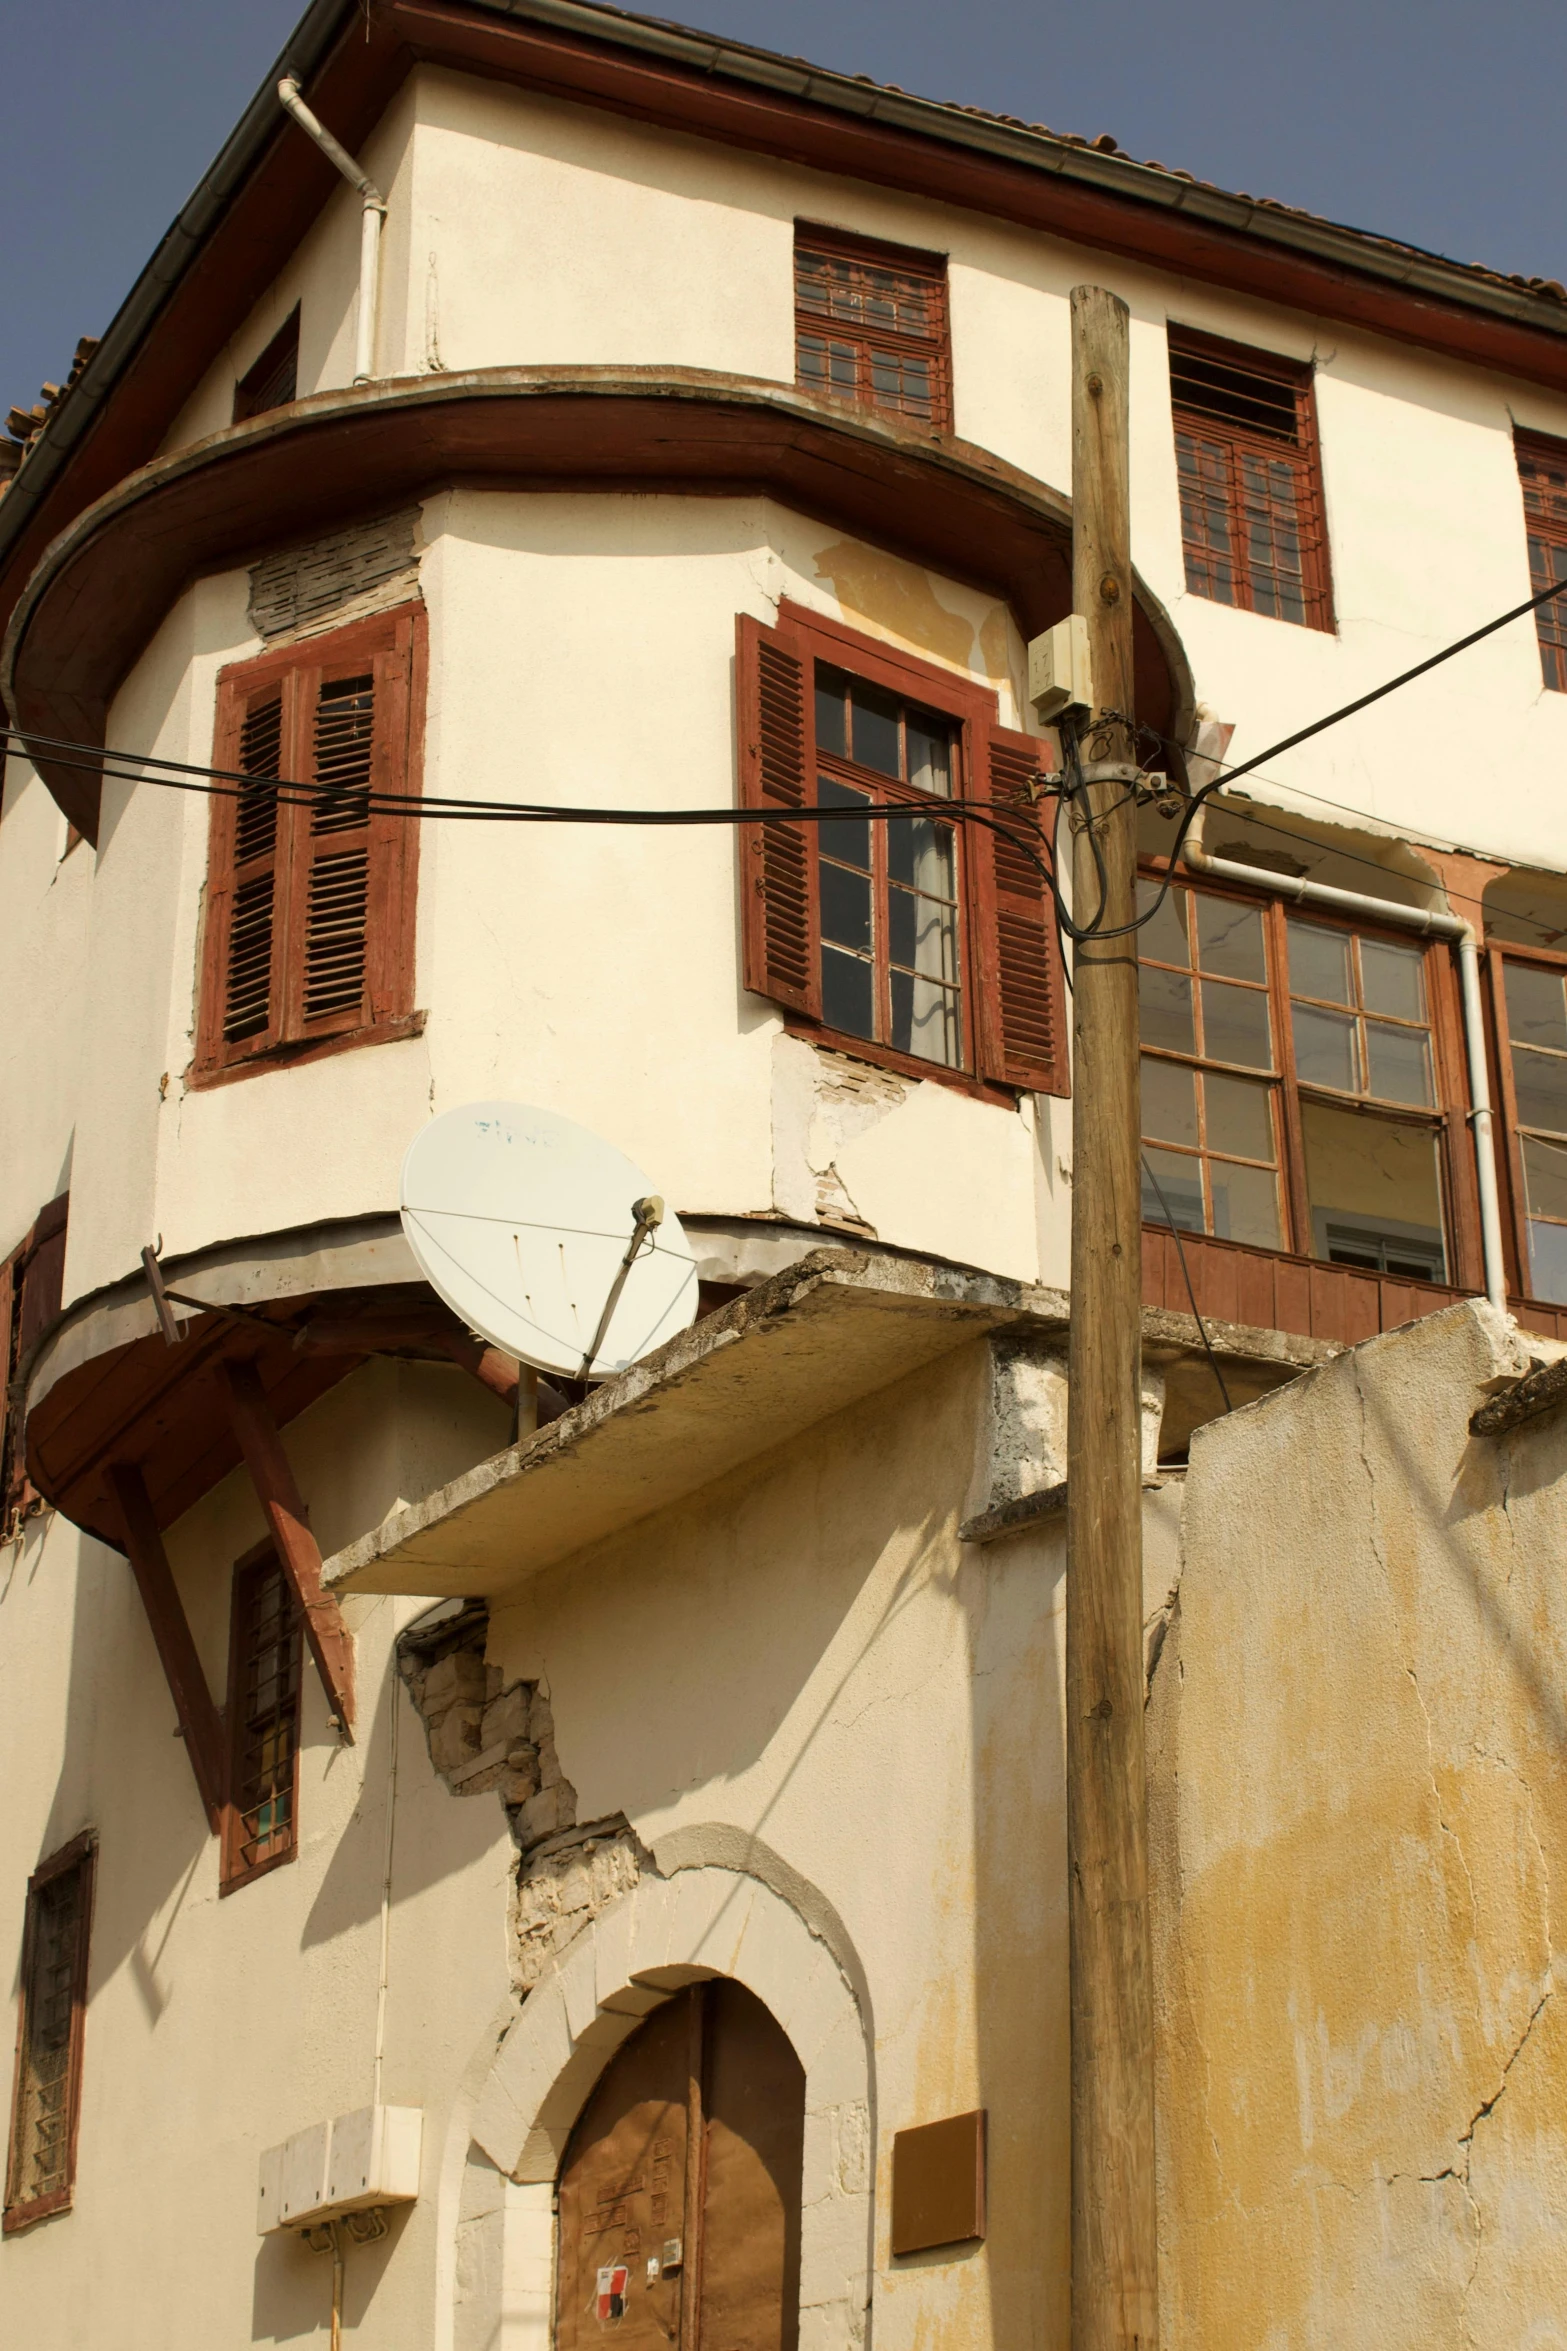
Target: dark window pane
[1169, 1101]
[841, 838]
[848, 1000]
[1229, 939]
[1545, 1174]
[1535, 1008]
[1172, 1190]
[832, 695]
[874, 740]
[1540, 1083]
[1239, 1117]
[1393, 980]
[1245, 1204]
[1319, 963]
[1235, 1025]
[846, 907]
[1165, 1009]
[1400, 1063]
[1163, 936]
[1325, 1049]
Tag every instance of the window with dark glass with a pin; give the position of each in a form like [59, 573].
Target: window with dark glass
[871, 324]
[272, 381]
[1291, 1096]
[1250, 480]
[1542, 471]
[46, 2094]
[260, 1818]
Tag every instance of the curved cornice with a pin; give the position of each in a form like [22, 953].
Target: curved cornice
[105, 583]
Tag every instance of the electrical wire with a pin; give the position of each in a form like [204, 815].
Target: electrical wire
[229, 783]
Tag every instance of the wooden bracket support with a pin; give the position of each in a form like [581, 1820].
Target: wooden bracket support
[288, 1522]
[199, 1719]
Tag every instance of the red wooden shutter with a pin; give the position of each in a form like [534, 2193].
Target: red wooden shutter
[241, 996]
[780, 920]
[1021, 1000]
[330, 868]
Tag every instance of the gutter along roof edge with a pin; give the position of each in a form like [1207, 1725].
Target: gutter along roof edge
[1473, 284]
[1454, 285]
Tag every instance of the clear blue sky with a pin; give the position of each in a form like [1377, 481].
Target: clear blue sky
[1436, 120]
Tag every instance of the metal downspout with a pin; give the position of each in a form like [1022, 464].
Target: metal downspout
[370, 226]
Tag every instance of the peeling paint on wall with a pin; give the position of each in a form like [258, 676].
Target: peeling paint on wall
[822, 1102]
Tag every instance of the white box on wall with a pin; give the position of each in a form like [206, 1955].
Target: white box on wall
[375, 2157]
[370, 2156]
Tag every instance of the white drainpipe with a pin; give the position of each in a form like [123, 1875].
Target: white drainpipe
[1429, 924]
[370, 227]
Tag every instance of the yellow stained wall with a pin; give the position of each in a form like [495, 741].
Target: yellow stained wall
[1358, 1772]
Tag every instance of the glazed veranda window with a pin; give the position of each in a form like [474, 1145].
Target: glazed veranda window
[1291, 1088]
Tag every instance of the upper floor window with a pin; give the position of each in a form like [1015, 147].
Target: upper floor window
[1297, 1091]
[870, 324]
[46, 2094]
[274, 378]
[1251, 485]
[1542, 469]
[308, 942]
[916, 939]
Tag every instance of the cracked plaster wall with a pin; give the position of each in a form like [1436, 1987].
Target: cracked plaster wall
[1358, 1796]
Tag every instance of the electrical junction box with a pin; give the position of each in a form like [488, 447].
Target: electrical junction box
[1059, 678]
[361, 2159]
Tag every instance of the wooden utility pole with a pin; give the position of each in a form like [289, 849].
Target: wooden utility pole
[1115, 2287]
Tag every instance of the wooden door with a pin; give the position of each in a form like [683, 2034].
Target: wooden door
[680, 2186]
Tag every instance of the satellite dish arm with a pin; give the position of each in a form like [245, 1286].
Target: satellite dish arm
[649, 1214]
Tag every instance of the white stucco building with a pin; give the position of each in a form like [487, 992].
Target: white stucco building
[684, 1757]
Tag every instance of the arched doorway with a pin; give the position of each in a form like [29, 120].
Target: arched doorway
[680, 2185]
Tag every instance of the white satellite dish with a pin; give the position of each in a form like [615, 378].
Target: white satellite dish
[547, 1241]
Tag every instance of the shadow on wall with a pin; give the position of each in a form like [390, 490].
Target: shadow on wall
[292, 2296]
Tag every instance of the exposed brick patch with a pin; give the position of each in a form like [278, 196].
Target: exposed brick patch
[484, 1733]
[564, 1884]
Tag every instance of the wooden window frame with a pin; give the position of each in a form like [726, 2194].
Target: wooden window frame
[979, 743]
[1504, 1093]
[1306, 461]
[233, 1870]
[256, 392]
[393, 645]
[31, 1286]
[80, 1854]
[1448, 1119]
[933, 347]
[1550, 530]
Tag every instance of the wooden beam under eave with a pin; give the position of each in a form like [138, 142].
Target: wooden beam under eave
[288, 1522]
[199, 1720]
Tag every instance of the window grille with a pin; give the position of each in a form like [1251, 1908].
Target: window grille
[260, 1824]
[47, 2096]
[871, 325]
[1250, 480]
[1542, 470]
